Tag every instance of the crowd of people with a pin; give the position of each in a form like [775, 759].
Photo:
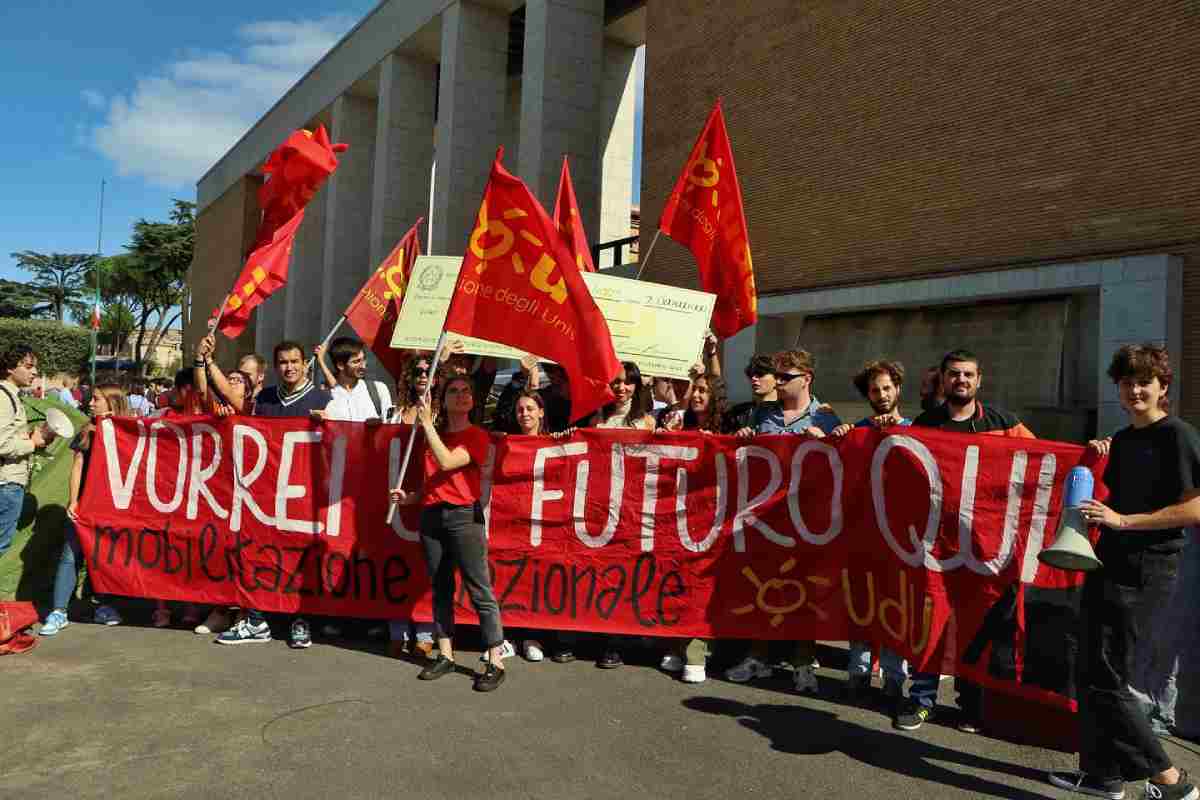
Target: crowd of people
[1153, 473]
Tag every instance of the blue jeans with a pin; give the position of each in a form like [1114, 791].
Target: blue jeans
[68, 567]
[858, 664]
[12, 499]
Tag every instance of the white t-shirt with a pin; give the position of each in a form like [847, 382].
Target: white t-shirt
[355, 405]
[140, 405]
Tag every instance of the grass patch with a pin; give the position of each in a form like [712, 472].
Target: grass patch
[27, 569]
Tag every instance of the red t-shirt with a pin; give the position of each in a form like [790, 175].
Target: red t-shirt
[459, 487]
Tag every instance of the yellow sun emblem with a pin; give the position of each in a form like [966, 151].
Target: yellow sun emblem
[778, 612]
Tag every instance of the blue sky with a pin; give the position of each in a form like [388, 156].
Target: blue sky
[145, 95]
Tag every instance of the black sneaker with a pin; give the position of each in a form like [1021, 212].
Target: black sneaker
[437, 668]
[1184, 790]
[609, 659]
[490, 679]
[912, 716]
[299, 637]
[1081, 782]
[563, 657]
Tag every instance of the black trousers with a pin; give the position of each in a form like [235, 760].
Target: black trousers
[1115, 736]
[454, 541]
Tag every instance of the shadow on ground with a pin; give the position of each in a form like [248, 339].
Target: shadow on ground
[801, 730]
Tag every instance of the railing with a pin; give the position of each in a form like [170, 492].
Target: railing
[616, 246]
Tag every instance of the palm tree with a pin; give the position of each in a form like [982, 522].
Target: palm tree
[57, 278]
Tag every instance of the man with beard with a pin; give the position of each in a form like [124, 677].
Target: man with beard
[879, 382]
[355, 397]
[963, 413]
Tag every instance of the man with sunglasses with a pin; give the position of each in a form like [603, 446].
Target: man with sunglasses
[798, 412]
[761, 374]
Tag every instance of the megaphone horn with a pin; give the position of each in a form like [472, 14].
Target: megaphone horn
[1072, 549]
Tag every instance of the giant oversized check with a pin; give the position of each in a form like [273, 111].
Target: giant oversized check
[659, 328]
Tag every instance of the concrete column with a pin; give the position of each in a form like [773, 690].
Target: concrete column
[617, 115]
[560, 101]
[348, 210]
[403, 150]
[300, 316]
[1140, 301]
[470, 117]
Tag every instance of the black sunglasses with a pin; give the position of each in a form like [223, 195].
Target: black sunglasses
[419, 372]
[785, 377]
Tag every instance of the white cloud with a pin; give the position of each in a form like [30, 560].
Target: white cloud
[173, 125]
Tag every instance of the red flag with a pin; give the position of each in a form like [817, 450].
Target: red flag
[519, 286]
[294, 171]
[373, 311]
[96, 317]
[265, 271]
[570, 223]
[705, 214]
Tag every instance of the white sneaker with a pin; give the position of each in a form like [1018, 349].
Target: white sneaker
[747, 670]
[694, 673]
[506, 651]
[533, 650]
[804, 680]
[671, 663]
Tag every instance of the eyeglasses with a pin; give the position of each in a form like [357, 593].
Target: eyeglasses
[786, 377]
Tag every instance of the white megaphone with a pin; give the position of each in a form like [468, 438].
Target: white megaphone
[58, 425]
[1072, 549]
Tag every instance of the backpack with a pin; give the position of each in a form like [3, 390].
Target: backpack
[376, 400]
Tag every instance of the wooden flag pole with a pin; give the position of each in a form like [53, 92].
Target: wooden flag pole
[412, 437]
[649, 250]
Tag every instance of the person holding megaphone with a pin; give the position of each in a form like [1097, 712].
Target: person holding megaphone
[1153, 477]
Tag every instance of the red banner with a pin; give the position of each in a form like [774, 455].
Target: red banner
[923, 541]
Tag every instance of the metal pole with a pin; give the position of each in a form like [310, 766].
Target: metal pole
[412, 437]
[96, 301]
[649, 250]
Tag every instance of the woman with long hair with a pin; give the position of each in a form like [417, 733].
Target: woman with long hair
[452, 527]
[631, 409]
[108, 400]
[704, 412]
[407, 637]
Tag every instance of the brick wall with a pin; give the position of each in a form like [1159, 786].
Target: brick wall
[224, 234]
[880, 140]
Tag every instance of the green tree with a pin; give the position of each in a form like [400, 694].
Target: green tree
[58, 279]
[150, 277]
[19, 300]
[117, 324]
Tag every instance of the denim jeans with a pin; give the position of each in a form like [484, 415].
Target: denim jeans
[68, 567]
[454, 542]
[1115, 736]
[858, 664]
[12, 499]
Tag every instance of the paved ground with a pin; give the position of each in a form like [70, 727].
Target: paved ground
[137, 713]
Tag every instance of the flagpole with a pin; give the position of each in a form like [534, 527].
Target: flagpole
[649, 250]
[412, 437]
[96, 301]
[337, 326]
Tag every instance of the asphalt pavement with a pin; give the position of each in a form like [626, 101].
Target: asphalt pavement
[132, 712]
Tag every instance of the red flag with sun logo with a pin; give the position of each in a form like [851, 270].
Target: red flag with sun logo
[519, 286]
[705, 214]
[266, 270]
[570, 223]
[373, 311]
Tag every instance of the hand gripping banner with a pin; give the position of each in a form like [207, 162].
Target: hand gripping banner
[922, 541]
